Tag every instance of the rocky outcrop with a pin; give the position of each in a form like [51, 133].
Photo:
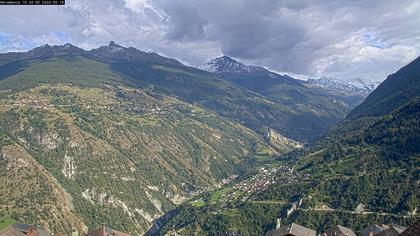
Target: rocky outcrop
[280, 143]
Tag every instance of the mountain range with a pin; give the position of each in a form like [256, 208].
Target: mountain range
[294, 110]
[351, 93]
[282, 88]
[118, 136]
[358, 86]
[85, 145]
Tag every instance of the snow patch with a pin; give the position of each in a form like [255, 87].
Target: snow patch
[358, 86]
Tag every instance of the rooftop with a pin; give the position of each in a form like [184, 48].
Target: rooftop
[292, 229]
[339, 231]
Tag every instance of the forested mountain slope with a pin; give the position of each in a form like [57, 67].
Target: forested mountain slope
[368, 164]
[80, 148]
[294, 111]
[120, 136]
[317, 107]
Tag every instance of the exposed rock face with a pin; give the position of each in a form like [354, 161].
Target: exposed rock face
[69, 169]
[146, 215]
[281, 143]
[227, 64]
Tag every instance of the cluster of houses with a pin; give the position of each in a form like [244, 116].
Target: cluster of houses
[372, 230]
[139, 110]
[258, 183]
[30, 102]
[267, 177]
[43, 105]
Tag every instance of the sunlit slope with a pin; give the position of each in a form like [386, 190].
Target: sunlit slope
[125, 156]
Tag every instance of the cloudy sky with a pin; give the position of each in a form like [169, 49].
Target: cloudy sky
[347, 39]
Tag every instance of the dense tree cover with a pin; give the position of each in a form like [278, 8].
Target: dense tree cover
[211, 220]
[124, 156]
[121, 153]
[292, 109]
[371, 161]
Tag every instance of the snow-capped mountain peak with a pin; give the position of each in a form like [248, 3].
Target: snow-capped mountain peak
[368, 85]
[227, 64]
[357, 86]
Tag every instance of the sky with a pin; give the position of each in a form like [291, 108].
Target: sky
[344, 39]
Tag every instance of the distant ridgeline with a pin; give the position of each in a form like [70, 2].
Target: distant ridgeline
[257, 98]
[364, 171]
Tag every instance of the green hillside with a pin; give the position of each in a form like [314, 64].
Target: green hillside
[84, 148]
[292, 109]
[369, 160]
[77, 71]
[121, 137]
[124, 156]
[308, 113]
[299, 120]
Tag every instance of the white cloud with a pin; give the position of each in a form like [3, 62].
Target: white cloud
[347, 39]
[96, 30]
[137, 5]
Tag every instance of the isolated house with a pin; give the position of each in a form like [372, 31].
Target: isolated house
[339, 231]
[291, 230]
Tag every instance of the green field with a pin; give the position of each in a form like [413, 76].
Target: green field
[231, 212]
[198, 203]
[6, 222]
[263, 154]
[215, 197]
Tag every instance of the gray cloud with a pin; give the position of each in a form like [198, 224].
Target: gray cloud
[344, 39]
